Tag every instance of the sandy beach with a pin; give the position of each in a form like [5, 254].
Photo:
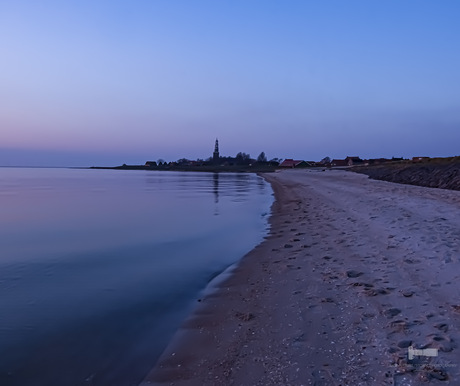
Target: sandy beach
[357, 284]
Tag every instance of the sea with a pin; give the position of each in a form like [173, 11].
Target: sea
[98, 268]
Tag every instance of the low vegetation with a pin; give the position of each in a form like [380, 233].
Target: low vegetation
[434, 172]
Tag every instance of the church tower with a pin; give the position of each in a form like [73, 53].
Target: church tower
[215, 155]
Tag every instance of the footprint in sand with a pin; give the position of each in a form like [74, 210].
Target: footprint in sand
[444, 327]
[398, 326]
[407, 293]
[377, 291]
[245, 316]
[404, 343]
[441, 343]
[353, 273]
[392, 312]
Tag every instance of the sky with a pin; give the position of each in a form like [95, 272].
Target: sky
[106, 82]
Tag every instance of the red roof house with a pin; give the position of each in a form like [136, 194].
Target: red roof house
[291, 163]
[339, 162]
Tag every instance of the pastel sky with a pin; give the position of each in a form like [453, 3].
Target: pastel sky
[105, 82]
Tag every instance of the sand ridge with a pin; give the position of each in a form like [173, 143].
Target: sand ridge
[354, 273]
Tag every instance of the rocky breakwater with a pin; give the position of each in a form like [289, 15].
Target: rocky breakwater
[435, 173]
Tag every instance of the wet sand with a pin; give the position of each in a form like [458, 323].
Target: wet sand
[354, 273]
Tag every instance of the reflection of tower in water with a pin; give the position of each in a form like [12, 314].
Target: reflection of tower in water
[215, 179]
[215, 176]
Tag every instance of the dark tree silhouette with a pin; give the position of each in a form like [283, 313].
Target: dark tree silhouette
[262, 157]
[243, 159]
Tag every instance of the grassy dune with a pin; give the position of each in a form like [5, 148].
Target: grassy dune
[435, 173]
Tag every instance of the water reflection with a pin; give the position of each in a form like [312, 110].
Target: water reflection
[99, 267]
[215, 178]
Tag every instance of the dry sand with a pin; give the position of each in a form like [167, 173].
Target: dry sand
[354, 271]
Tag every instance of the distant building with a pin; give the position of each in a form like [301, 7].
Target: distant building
[420, 159]
[151, 164]
[349, 161]
[291, 163]
[376, 161]
[339, 162]
[215, 155]
[354, 161]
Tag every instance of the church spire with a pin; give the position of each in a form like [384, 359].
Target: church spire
[215, 155]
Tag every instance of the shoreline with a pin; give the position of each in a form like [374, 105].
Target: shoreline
[344, 283]
[202, 169]
[210, 312]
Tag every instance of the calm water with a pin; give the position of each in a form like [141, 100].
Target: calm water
[99, 267]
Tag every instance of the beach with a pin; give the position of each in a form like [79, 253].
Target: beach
[355, 276]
